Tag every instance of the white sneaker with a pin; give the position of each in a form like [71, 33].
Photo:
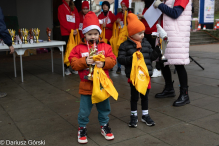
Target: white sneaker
[74, 72]
[156, 73]
[67, 72]
[159, 73]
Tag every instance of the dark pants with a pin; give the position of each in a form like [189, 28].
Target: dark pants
[135, 97]
[65, 38]
[182, 75]
[152, 42]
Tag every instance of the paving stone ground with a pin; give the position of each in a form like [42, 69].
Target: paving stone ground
[45, 105]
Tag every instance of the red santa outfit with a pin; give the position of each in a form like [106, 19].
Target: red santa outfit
[120, 15]
[85, 4]
[109, 19]
[148, 30]
[68, 19]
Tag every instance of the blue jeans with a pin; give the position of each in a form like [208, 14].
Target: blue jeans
[118, 64]
[86, 105]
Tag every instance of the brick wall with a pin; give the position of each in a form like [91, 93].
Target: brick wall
[196, 7]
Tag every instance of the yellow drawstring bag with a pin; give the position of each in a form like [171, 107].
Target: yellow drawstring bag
[72, 42]
[77, 38]
[102, 86]
[114, 39]
[123, 33]
[139, 74]
[102, 35]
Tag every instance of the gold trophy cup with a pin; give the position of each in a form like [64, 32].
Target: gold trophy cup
[48, 32]
[37, 33]
[12, 33]
[92, 52]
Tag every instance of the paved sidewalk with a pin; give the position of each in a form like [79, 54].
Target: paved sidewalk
[46, 105]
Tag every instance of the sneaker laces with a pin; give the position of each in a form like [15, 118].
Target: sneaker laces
[82, 132]
[148, 118]
[106, 128]
[133, 119]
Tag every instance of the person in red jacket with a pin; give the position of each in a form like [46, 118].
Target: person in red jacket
[68, 19]
[80, 61]
[108, 18]
[120, 19]
[148, 32]
[120, 16]
[84, 10]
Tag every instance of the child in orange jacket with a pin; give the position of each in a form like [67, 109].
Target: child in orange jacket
[80, 60]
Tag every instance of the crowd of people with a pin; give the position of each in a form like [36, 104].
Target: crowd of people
[139, 42]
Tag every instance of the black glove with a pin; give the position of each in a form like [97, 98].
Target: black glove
[157, 49]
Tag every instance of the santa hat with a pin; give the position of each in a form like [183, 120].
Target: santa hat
[125, 2]
[134, 24]
[85, 5]
[91, 22]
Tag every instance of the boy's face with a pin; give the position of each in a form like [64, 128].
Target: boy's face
[105, 8]
[124, 8]
[85, 11]
[92, 35]
[138, 36]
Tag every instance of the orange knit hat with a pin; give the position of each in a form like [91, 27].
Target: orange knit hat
[134, 25]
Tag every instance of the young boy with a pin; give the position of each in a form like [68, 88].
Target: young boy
[84, 11]
[108, 19]
[120, 20]
[137, 42]
[80, 60]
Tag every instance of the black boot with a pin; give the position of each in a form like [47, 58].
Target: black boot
[183, 98]
[168, 91]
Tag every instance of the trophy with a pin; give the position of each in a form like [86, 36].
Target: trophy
[163, 40]
[25, 34]
[12, 33]
[48, 32]
[92, 52]
[36, 33]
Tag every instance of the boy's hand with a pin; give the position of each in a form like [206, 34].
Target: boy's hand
[118, 20]
[89, 60]
[75, 32]
[99, 64]
[104, 24]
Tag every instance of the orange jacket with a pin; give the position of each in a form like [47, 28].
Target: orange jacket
[77, 58]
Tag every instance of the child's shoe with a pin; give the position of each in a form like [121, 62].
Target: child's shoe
[118, 70]
[133, 121]
[147, 119]
[82, 135]
[106, 132]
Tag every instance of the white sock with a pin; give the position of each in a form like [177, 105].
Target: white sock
[144, 112]
[134, 113]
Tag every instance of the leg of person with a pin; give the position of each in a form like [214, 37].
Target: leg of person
[118, 71]
[2, 94]
[83, 117]
[144, 106]
[183, 98]
[65, 38]
[168, 90]
[104, 109]
[134, 100]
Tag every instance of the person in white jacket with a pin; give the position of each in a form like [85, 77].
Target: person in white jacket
[176, 22]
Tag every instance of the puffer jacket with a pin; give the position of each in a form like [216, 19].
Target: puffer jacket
[128, 48]
[77, 58]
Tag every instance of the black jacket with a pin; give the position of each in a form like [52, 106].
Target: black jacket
[4, 34]
[128, 48]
